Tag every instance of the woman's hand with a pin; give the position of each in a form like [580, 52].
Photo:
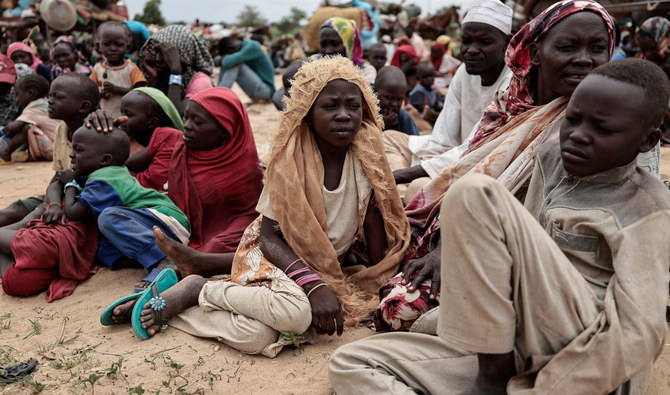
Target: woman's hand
[326, 311]
[171, 57]
[428, 266]
[54, 215]
[103, 121]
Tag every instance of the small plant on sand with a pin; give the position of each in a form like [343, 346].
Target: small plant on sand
[292, 336]
[136, 390]
[115, 368]
[37, 328]
[5, 321]
[35, 385]
[6, 357]
[92, 379]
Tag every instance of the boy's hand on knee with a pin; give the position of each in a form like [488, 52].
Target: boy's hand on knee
[326, 311]
[426, 267]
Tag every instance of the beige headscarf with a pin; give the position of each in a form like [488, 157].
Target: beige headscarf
[294, 180]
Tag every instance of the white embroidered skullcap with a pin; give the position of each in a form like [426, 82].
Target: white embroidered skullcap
[491, 12]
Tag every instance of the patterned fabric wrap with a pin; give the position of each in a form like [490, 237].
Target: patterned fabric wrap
[9, 106]
[517, 98]
[401, 308]
[294, 181]
[658, 29]
[192, 52]
[348, 32]
[22, 69]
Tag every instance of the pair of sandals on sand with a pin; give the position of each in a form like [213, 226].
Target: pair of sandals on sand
[164, 280]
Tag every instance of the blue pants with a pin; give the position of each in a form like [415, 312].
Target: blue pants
[128, 232]
[248, 80]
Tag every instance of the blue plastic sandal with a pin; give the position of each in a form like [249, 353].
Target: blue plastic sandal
[165, 279]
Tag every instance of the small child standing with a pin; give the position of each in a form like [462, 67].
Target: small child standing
[115, 75]
[391, 86]
[33, 126]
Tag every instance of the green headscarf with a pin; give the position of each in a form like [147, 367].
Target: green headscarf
[165, 103]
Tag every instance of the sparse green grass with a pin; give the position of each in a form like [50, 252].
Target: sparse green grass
[37, 328]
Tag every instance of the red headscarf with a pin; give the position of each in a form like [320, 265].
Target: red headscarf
[517, 99]
[406, 49]
[437, 61]
[218, 189]
[20, 46]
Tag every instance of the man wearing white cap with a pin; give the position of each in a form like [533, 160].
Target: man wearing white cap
[486, 32]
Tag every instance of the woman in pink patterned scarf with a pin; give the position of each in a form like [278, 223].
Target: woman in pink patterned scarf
[549, 57]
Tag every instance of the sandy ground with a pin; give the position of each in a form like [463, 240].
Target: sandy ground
[78, 355]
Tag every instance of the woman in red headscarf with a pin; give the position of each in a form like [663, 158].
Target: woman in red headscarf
[403, 54]
[215, 178]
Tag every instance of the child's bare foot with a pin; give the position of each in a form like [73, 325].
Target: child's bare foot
[122, 312]
[178, 298]
[183, 256]
[162, 264]
[6, 156]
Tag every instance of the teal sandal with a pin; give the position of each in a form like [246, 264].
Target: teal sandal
[165, 279]
[106, 316]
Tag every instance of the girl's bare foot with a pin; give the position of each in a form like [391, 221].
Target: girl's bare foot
[122, 312]
[178, 298]
[184, 257]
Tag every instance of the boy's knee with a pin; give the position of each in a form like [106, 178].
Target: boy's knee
[466, 187]
[109, 217]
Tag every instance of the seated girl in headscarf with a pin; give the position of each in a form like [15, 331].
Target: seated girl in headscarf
[21, 52]
[340, 36]
[177, 63]
[332, 228]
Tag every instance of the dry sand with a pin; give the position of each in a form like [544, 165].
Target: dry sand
[75, 351]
